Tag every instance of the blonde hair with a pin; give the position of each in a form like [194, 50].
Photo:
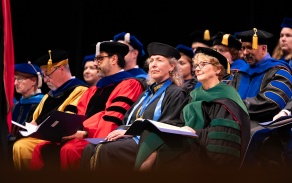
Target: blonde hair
[213, 60]
[175, 76]
[278, 53]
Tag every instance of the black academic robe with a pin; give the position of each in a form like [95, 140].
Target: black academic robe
[121, 154]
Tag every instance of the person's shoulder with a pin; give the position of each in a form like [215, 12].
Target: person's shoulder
[282, 64]
[173, 88]
[130, 81]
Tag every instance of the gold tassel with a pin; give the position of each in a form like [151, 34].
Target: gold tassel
[228, 68]
[255, 39]
[50, 62]
[207, 35]
[225, 39]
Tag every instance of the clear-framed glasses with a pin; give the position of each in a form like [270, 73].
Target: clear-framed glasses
[20, 79]
[201, 65]
[48, 76]
[221, 50]
[100, 58]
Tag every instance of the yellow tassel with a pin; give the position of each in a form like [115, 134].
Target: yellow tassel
[225, 39]
[50, 62]
[255, 39]
[207, 35]
[228, 68]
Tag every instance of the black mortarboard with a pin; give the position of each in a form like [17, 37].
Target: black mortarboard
[53, 58]
[287, 22]
[213, 53]
[30, 68]
[165, 50]
[88, 58]
[226, 40]
[112, 47]
[185, 50]
[255, 37]
[131, 40]
[202, 37]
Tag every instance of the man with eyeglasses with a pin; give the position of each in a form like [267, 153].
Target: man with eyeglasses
[28, 83]
[65, 91]
[229, 46]
[104, 104]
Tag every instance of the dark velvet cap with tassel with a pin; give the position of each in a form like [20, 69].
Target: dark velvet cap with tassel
[29, 68]
[131, 40]
[200, 36]
[53, 58]
[226, 40]
[247, 36]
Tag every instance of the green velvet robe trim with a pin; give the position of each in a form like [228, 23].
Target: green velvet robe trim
[225, 136]
[193, 111]
[225, 150]
[226, 123]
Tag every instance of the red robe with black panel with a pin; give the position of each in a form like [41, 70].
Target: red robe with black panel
[105, 107]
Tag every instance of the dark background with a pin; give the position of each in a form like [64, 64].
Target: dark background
[75, 25]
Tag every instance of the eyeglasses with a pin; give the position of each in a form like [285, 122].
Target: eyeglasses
[20, 79]
[45, 76]
[201, 65]
[100, 58]
[221, 50]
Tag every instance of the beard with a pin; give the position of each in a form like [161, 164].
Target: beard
[51, 86]
[250, 60]
[103, 71]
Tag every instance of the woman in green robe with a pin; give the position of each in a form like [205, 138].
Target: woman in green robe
[218, 116]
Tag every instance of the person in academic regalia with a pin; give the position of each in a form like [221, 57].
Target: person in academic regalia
[283, 51]
[159, 102]
[28, 83]
[135, 57]
[265, 83]
[200, 38]
[104, 104]
[272, 147]
[185, 63]
[218, 116]
[65, 91]
[90, 70]
[229, 46]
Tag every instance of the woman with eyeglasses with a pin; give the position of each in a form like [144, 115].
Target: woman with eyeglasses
[215, 113]
[158, 103]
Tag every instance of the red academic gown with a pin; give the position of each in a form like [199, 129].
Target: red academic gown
[98, 125]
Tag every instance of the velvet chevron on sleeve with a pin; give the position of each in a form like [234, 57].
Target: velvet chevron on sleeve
[265, 88]
[221, 121]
